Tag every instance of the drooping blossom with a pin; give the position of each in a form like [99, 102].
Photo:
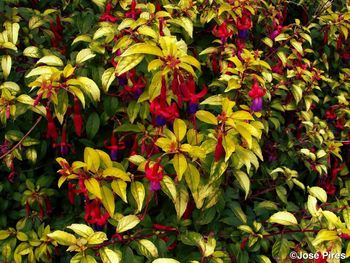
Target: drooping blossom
[93, 213]
[243, 24]
[114, 147]
[222, 32]
[154, 174]
[219, 149]
[51, 126]
[77, 119]
[63, 145]
[188, 89]
[256, 93]
[133, 12]
[106, 16]
[161, 111]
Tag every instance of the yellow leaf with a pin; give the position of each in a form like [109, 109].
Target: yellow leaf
[81, 229]
[138, 192]
[147, 31]
[107, 78]
[298, 46]
[188, 68]
[319, 193]
[12, 31]
[93, 186]
[181, 201]
[108, 200]
[109, 256]
[283, 218]
[97, 238]
[147, 248]
[155, 86]
[232, 84]
[127, 63]
[325, 235]
[51, 60]
[68, 70]
[119, 187]
[106, 161]
[142, 48]
[90, 87]
[35, 22]
[179, 129]
[207, 117]
[78, 93]
[191, 60]
[154, 64]
[116, 173]
[127, 222]
[165, 260]
[242, 115]
[164, 143]
[43, 70]
[282, 57]
[6, 63]
[83, 38]
[180, 165]
[229, 146]
[192, 177]
[62, 238]
[168, 187]
[243, 181]
[32, 52]
[83, 55]
[92, 159]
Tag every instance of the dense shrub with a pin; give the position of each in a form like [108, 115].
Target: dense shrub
[174, 131]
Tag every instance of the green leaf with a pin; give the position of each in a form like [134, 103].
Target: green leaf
[243, 181]
[179, 129]
[180, 165]
[281, 248]
[63, 238]
[92, 125]
[127, 222]
[283, 218]
[192, 177]
[109, 256]
[93, 186]
[207, 117]
[138, 192]
[108, 200]
[298, 46]
[147, 248]
[133, 110]
[119, 187]
[4, 234]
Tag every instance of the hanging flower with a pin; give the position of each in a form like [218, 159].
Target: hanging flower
[154, 174]
[222, 32]
[114, 147]
[134, 12]
[77, 119]
[256, 93]
[243, 24]
[219, 149]
[188, 90]
[93, 213]
[51, 127]
[63, 145]
[106, 16]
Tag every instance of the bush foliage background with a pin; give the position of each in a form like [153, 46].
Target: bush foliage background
[174, 131]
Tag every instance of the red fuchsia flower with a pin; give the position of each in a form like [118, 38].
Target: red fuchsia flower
[106, 16]
[161, 111]
[93, 213]
[219, 149]
[243, 24]
[344, 236]
[154, 174]
[214, 63]
[188, 90]
[134, 12]
[63, 145]
[114, 147]
[137, 86]
[77, 119]
[57, 30]
[256, 93]
[330, 114]
[13, 172]
[222, 32]
[51, 127]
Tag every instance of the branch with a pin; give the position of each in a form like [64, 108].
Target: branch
[21, 140]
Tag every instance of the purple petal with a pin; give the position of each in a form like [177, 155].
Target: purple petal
[154, 186]
[257, 104]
